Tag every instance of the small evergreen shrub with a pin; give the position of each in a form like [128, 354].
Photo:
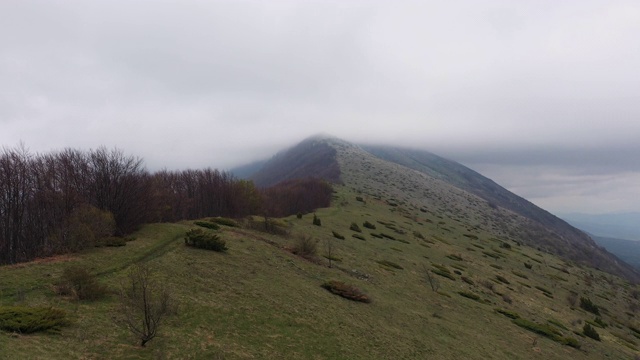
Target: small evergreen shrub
[467, 280]
[528, 265]
[224, 221]
[316, 220]
[469, 295]
[27, 320]
[419, 235]
[387, 236]
[111, 241]
[359, 237]
[589, 331]
[299, 215]
[502, 279]
[207, 225]
[589, 306]
[443, 274]
[355, 227]
[346, 291]
[337, 236]
[455, 257]
[76, 281]
[199, 239]
[390, 264]
[369, 225]
[377, 236]
[507, 313]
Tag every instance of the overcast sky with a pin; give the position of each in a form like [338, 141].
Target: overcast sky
[541, 96]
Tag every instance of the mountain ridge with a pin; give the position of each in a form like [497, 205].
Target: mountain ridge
[336, 160]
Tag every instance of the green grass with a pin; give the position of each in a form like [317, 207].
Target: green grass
[259, 301]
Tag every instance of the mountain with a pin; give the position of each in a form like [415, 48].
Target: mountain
[418, 179]
[627, 250]
[313, 157]
[404, 263]
[617, 225]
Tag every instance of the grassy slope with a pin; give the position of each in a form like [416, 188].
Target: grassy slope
[260, 301]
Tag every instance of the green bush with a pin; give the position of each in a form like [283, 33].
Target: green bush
[528, 265]
[376, 236]
[28, 320]
[502, 279]
[469, 295]
[202, 240]
[359, 237]
[78, 282]
[509, 314]
[444, 274]
[369, 225]
[390, 264]
[589, 306]
[224, 221]
[337, 236]
[110, 241]
[316, 220]
[207, 225]
[589, 331]
[355, 227]
[346, 291]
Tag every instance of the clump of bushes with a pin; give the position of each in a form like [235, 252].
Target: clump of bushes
[207, 225]
[202, 240]
[76, 281]
[337, 236]
[355, 227]
[589, 306]
[346, 291]
[547, 331]
[316, 220]
[305, 246]
[502, 279]
[369, 225]
[26, 320]
[589, 331]
[224, 221]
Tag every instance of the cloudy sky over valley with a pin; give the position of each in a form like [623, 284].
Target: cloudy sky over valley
[541, 96]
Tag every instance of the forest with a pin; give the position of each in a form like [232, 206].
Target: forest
[69, 200]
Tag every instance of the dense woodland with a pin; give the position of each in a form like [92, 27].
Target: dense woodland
[69, 200]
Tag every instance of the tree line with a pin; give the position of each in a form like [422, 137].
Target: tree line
[66, 201]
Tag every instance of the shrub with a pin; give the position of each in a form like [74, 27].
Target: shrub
[502, 279]
[316, 220]
[390, 264]
[337, 236]
[355, 227]
[387, 236]
[207, 225]
[359, 237]
[346, 291]
[78, 282]
[589, 331]
[544, 330]
[528, 265]
[507, 313]
[202, 240]
[111, 241]
[26, 320]
[455, 257]
[469, 295]
[224, 221]
[376, 236]
[589, 306]
[305, 246]
[467, 280]
[369, 225]
[299, 215]
[505, 245]
[443, 274]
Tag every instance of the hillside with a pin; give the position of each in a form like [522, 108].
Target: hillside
[447, 275]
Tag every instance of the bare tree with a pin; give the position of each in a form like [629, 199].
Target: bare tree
[145, 303]
[329, 250]
[433, 282]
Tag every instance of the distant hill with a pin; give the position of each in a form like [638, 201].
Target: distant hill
[617, 225]
[439, 185]
[626, 250]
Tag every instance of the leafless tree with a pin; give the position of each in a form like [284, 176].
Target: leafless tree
[433, 282]
[144, 304]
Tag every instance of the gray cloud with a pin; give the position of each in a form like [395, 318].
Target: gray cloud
[501, 86]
